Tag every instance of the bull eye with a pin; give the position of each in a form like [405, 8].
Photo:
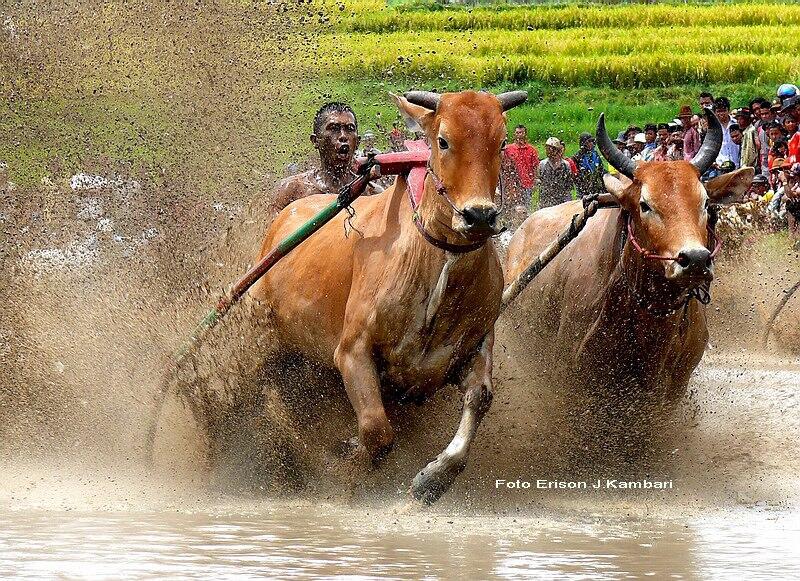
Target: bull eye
[443, 143]
[644, 207]
[503, 145]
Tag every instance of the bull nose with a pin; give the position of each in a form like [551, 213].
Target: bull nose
[695, 259]
[478, 217]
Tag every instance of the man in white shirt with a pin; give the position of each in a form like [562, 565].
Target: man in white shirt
[729, 150]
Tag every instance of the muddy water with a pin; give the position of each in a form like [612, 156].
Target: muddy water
[731, 513]
[284, 541]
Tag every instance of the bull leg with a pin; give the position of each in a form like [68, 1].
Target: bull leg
[361, 381]
[436, 478]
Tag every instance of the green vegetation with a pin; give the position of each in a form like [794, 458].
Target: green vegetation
[638, 63]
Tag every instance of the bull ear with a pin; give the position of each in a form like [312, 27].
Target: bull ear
[730, 187]
[417, 118]
[616, 185]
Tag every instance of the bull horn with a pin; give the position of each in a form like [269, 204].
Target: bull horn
[711, 144]
[512, 99]
[425, 99]
[613, 155]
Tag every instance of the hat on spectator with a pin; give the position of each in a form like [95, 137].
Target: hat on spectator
[777, 105]
[790, 103]
[639, 138]
[620, 137]
[777, 164]
[742, 112]
[727, 166]
[584, 137]
[686, 111]
[760, 179]
[553, 142]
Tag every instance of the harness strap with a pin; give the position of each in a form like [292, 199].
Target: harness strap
[415, 187]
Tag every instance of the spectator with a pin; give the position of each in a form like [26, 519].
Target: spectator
[792, 111]
[706, 100]
[750, 146]
[554, 176]
[691, 139]
[685, 117]
[525, 159]
[590, 170]
[758, 189]
[729, 150]
[675, 149]
[636, 147]
[397, 138]
[650, 131]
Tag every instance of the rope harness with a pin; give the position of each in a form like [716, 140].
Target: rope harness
[701, 292]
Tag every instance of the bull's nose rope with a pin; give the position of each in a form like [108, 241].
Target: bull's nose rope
[717, 241]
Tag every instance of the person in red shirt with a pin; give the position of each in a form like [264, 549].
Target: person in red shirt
[526, 161]
[791, 108]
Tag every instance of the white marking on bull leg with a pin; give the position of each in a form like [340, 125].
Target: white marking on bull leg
[437, 477]
[438, 292]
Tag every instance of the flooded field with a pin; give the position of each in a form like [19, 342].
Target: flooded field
[322, 541]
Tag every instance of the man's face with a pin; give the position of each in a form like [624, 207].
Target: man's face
[794, 113]
[736, 136]
[767, 116]
[636, 148]
[676, 139]
[520, 136]
[723, 114]
[649, 136]
[337, 140]
[663, 135]
[758, 189]
[790, 124]
[775, 134]
[743, 121]
[755, 109]
[553, 151]
[588, 145]
[706, 102]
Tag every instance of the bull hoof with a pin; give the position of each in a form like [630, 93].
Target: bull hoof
[434, 480]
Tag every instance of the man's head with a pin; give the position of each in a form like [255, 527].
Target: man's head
[520, 135]
[759, 186]
[685, 116]
[736, 134]
[676, 139]
[335, 136]
[722, 109]
[755, 107]
[743, 117]
[791, 109]
[553, 147]
[706, 100]
[662, 133]
[765, 112]
[586, 141]
[774, 131]
[650, 132]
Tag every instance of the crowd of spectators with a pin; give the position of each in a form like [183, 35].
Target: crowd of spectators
[761, 134]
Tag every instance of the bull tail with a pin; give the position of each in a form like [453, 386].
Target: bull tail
[787, 295]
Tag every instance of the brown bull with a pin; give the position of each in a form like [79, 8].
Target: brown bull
[620, 312]
[386, 305]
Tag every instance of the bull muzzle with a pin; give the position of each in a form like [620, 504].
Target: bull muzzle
[693, 264]
[479, 220]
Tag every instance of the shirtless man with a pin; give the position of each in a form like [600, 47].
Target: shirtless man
[335, 137]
